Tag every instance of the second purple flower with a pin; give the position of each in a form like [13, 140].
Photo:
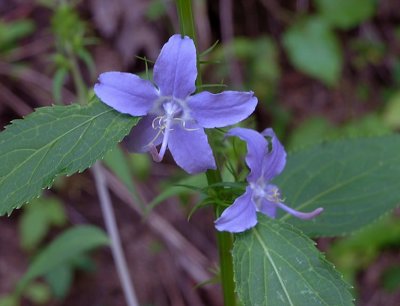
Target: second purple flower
[172, 116]
[260, 195]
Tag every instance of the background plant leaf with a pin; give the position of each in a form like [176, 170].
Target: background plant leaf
[53, 141]
[356, 181]
[37, 220]
[346, 13]
[63, 249]
[314, 49]
[275, 264]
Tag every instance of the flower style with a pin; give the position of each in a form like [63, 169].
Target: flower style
[172, 116]
[260, 195]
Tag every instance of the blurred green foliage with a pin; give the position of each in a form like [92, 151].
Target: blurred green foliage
[314, 49]
[11, 32]
[345, 14]
[37, 219]
[259, 59]
[156, 10]
[319, 129]
[392, 112]
[358, 251]
[57, 260]
[391, 278]
[72, 38]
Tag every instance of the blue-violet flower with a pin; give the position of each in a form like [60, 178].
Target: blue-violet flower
[172, 116]
[260, 195]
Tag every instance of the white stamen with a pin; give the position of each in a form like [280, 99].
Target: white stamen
[173, 111]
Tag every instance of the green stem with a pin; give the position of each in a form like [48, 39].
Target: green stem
[186, 20]
[224, 239]
[225, 244]
[77, 77]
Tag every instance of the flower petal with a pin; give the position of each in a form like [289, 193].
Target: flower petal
[142, 135]
[268, 208]
[240, 216]
[218, 110]
[190, 149]
[275, 160]
[175, 70]
[257, 147]
[299, 214]
[126, 92]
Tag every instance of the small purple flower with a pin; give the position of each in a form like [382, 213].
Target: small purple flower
[172, 116]
[260, 195]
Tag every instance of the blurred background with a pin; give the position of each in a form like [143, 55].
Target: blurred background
[321, 70]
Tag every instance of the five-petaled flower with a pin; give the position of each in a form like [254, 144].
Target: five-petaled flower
[172, 116]
[260, 195]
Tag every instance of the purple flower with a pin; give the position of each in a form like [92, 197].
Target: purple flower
[260, 195]
[172, 116]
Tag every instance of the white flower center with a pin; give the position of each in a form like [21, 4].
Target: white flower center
[263, 190]
[170, 111]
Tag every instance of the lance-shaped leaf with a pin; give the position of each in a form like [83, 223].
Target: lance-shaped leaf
[356, 181]
[70, 244]
[275, 264]
[53, 141]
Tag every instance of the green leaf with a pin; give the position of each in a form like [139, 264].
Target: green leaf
[60, 280]
[356, 252]
[37, 220]
[57, 140]
[11, 32]
[275, 264]
[346, 14]
[9, 300]
[63, 249]
[317, 129]
[391, 279]
[37, 293]
[356, 181]
[312, 131]
[58, 83]
[314, 49]
[176, 189]
[391, 113]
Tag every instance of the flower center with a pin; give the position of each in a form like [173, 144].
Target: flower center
[262, 190]
[170, 111]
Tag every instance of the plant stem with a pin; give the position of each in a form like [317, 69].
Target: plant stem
[186, 20]
[224, 239]
[77, 77]
[225, 244]
[111, 225]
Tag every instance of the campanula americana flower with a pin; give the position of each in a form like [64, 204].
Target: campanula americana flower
[173, 117]
[260, 195]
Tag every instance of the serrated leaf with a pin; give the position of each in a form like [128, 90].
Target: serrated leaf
[73, 242]
[275, 264]
[314, 49]
[346, 13]
[356, 181]
[52, 141]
